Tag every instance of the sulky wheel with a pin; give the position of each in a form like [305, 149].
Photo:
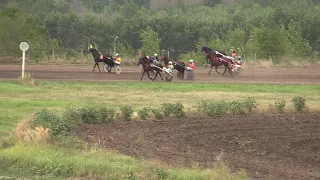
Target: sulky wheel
[190, 75]
[236, 72]
[105, 68]
[118, 69]
[168, 77]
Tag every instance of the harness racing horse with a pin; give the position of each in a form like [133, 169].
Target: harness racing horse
[178, 65]
[97, 57]
[148, 66]
[216, 59]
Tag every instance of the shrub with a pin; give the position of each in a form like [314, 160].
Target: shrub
[92, 115]
[237, 107]
[299, 103]
[250, 103]
[89, 115]
[73, 115]
[173, 109]
[57, 125]
[127, 112]
[144, 113]
[105, 115]
[213, 108]
[280, 105]
[202, 107]
[157, 113]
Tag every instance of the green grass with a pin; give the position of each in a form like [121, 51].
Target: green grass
[20, 101]
[48, 161]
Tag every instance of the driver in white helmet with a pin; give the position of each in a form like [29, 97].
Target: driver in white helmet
[155, 58]
[118, 59]
[170, 67]
[191, 66]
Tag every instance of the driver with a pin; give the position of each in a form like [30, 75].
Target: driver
[118, 59]
[191, 65]
[170, 67]
[239, 61]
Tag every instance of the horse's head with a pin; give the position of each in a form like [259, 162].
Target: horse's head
[164, 58]
[203, 48]
[141, 61]
[94, 52]
[143, 54]
[206, 49]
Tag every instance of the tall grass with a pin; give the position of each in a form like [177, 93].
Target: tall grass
[46, 160]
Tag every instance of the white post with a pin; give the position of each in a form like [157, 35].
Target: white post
[23, 62]
[114, 45]
[24, 47]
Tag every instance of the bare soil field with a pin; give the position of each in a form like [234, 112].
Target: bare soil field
[249, 75]
[266, 146]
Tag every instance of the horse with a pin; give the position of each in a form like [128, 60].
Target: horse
[147, 68]
[97, 57]
[216, 59]
[178, 65]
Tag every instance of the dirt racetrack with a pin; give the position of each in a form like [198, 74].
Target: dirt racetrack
[266, 146]
[129, 73]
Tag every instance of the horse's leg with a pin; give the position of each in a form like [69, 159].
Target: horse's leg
[94, 67]
[157, 72]
[142, 75]
[98, 67]
[183, 73]
[109, 69]
[206, 64]
[216, 67]
[149, 75]
[160, 76]
[225, 69]
[210, 71]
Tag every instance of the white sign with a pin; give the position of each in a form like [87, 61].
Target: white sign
[24, 47]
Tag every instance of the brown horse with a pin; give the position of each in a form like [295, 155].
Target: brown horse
[216, 59]
[178, 65]
[148, 67]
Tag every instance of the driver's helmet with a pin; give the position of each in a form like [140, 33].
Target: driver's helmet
[155, 54]
[117, 54]
[170, 62]
[239, 57]
[191, 61]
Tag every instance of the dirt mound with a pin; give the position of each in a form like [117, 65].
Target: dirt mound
[266, 146]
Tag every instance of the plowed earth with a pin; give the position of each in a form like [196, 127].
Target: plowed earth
[266, 146]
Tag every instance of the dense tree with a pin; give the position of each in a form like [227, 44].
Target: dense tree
[268, 26]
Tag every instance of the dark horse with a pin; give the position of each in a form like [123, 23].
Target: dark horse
[216, 59]
[148, 66]
[97, 57]
[178, 65]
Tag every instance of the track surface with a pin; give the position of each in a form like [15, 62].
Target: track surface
[266, 146]
[84, 73]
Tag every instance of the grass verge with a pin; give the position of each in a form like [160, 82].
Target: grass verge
[25, 160]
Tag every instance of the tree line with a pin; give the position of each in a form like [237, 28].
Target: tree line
[270, 26]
